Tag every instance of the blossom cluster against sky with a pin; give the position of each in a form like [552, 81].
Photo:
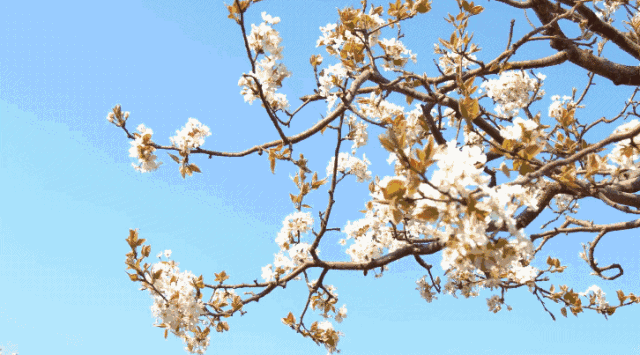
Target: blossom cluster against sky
[73, 194]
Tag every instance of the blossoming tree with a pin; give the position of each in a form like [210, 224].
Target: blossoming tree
[474, 165]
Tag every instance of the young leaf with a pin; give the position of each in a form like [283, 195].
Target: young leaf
[194, 167]
[289, 320]
[175, 158]
[221, 277]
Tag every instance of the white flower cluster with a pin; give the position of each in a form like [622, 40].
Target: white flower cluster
[183, 312]
[628, 127]
[167, 254]
[328, 79]
[447, 113]
[425, 290]
[458, 168]
[111, 117]
[597, 295]
[333, 41]
[356, 166]
[221, 295]
[297, 222]
[329, 333]
[495, 304]
[341, 314]
[609, 8]
[450, 61]
[358, 133]
[558, 105]
[472, 138]
[624, 154]
[413, 128]
[635, 21]
[264, 39]
[375, 108]
[519, 126]
[562, 201]
[458, 174]
[282, 264]
[329, 38]
[191, 136]
[299, 253]
[371, 233]
[511, 91]
[365, 248]
[394, 51]
[141, 149]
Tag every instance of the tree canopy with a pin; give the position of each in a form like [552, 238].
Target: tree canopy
[477, 160]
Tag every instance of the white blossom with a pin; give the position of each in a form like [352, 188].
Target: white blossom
[394, 51]
[327, 79]
[518, 128]
[494, 303]
[263, 39]
[525, 274]
[425, 290]
[191, 136]
[268, 19]
[182, 314]
[297, 222]
[267, 273]
[597, 295]
[609, 7]
[358, 133]
[556, 107]
[355, 166]
[299, 253]
[624, 154]
[375, 108]
[450, 61]
[511, 91]
[141, 149]
[341, 314]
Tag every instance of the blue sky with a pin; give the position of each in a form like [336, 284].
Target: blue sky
[70, 195]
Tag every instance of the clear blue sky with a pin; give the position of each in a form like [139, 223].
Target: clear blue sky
[69, 194]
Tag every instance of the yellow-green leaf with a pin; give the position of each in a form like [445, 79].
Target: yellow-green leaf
[289, 319]
[394, 189]
[146, 250]
[505, 169]
[194, 167]
[525, 168]
[428, 213]
[409, 99]
[272, 164]
[469, 108]
[318, 183]
[175, 158]
[386, 143]
[221, 277]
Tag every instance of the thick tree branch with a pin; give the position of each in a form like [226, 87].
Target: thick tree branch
[618, 74]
